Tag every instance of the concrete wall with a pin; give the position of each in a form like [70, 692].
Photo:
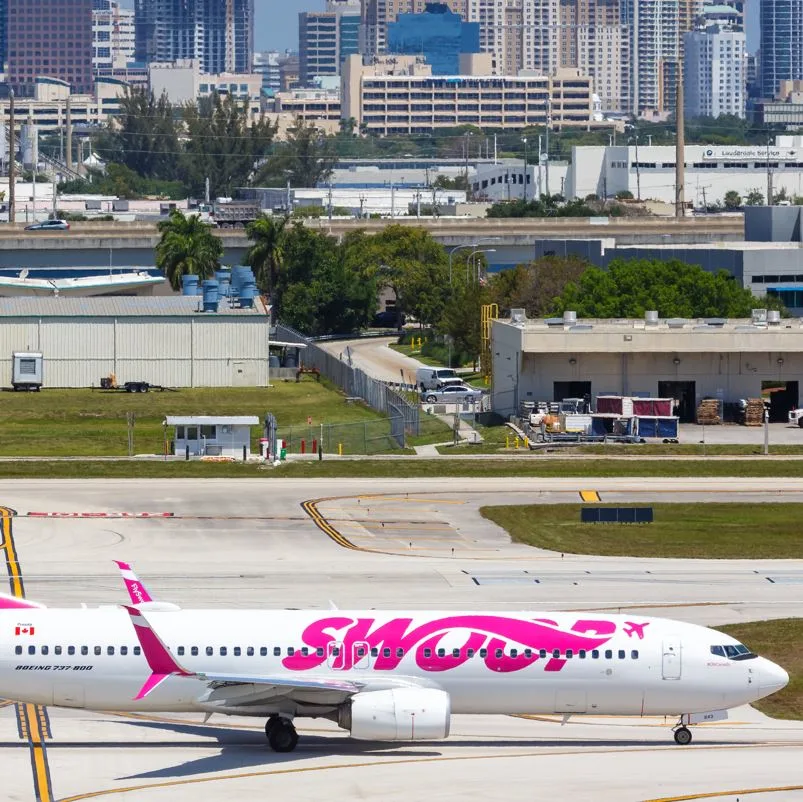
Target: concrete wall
[174, 352]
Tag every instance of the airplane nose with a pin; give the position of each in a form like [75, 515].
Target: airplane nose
[772, 677]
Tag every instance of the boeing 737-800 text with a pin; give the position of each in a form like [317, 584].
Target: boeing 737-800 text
[384, 676]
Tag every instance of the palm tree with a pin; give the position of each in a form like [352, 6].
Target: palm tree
[187, 246]
[266, 254]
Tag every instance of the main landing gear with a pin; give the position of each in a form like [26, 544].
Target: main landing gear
[681, 732]
[281, 734]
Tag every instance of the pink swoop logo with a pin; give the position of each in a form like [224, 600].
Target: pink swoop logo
[347, 641]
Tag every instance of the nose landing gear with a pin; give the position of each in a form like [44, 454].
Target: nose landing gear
[281, 734]
[681, 732]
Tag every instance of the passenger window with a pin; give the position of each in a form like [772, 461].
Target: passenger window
[209, 651]
[608, 654]
[621, 654]
[360, 651]
[595, 654]
[528, 653]
[498, 653]
[277, 651]
[45, 650]
[455, 652]
[335, 651]
[290, 651]
[32, 650]
[569, 654]
[374, 651]
[471, 652]
[124, 650]
[542, 653]
[386, 652]
[250, 651]
[514, 652]
[85, 650]
[137, 651]
[305, 651]
[441, 652]
[319, 651]
[582, 654]
[18, 650]
[263, 651]
[71, 650]
[194, 651]
[110, 651]
[57, 649]
[556, 653]
[237, 651]
[634, 654]
[483, 652]
[181, 651]
[97, 650]
[223, 651]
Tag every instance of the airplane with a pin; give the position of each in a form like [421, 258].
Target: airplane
[381, 675]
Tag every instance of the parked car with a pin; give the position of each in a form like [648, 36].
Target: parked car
[49, 225]
[387, 319]
[452, 394]
[435, 378]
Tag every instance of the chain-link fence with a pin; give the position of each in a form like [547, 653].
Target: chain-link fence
[363, 437]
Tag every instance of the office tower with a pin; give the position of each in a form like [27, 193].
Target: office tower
[325, 38]
[217, 33]
[3, 33]
[266, 63]
[715, 70]
[376, 14]
[49, 38]
[112, 36]
[438, 35]
[781, 24]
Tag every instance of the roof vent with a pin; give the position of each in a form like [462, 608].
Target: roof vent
[676, 322]
[716, 322]
[651, 318]
[554, 321]
[746, 327]
[569, 317]
[518, 315]
[774, 317]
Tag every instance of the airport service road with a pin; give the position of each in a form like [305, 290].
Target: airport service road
[378, 543]
[373, 356]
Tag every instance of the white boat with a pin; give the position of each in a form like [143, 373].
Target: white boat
[83, 286]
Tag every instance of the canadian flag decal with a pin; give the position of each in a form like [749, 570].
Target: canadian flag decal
[23, 630]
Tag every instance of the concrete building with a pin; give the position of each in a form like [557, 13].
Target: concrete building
[786, 109]
[212, 435]
[686, 360]
[113, 37]
[438, 35]
[402, 97]
[781, 23]
[326, 38]
[310, 105]
[711, 171]
[51, 39]
[161, 340]
[266, 63]
[183, 82]
[715, 71]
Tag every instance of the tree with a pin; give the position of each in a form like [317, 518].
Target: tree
[223, 144]
[755, 198]
[733, 200]
[187, 246]
[266, 253]
[545, 206]
[675, 289]
[444, 182]
[307, 157]
[624, 194]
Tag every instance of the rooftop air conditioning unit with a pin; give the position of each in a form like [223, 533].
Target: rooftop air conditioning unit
[774, 317]
[759, 316]
[676, 322]
[518, 315]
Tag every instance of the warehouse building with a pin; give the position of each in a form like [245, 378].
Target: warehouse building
[685, 360]
[167, 341]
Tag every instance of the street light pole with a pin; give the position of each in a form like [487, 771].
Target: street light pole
[467, 245]
[470, 263]
[524, 139]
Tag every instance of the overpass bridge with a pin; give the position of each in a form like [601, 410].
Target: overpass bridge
[118, 245]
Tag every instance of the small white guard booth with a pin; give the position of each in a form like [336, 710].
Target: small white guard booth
[211, 435]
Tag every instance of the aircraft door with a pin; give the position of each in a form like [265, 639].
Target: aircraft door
[361, 653]
[671, 663]
[335, 656]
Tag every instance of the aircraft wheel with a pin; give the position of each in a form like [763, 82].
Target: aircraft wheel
[683, 736]
[269, 725]
[282, 736]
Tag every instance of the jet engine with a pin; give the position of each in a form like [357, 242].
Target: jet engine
[399, 714]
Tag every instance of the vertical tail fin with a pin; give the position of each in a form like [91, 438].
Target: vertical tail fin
[136, 590]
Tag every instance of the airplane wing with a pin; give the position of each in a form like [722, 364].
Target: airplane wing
[138, 593]
[163, 665]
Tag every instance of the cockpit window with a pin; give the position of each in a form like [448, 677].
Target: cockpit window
[733, 652]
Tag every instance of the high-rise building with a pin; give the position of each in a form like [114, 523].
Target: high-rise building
[715, 71]
[3, 34]
[781, 43]
[218, 33]
[376, 14]
[266, 63]
[325, 38]
[49, 38]
[112, 36]
[438, 35]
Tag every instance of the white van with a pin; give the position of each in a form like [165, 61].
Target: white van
[435, 378]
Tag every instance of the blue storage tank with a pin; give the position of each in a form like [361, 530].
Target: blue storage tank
[239, 274]
[224, 287]
[211, 295]
[189, 284]
[247, 294]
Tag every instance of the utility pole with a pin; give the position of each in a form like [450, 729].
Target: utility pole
[548, 126]
[680, 147]
[12, 164]
[524, 140]
[68, 123]
[769, 174]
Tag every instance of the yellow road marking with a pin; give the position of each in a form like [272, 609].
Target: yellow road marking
[408, 761]
[10, 551]
[740, 792]
[589, 495]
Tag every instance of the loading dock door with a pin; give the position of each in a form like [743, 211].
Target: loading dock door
[685, 393]
[563, 390]
[782, 396]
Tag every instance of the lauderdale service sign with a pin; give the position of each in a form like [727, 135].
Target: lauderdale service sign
[757, 153]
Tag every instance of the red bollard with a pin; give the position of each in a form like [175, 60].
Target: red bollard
[303, 446]
[314, 446]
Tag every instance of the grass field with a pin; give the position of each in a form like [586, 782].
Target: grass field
[709, 531]
[779, 641]
[93, 423]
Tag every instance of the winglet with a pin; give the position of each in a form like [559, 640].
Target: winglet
[159, 658]
[136, 590]
[14, 603]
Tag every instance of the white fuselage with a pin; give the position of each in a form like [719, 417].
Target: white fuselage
[487, 662]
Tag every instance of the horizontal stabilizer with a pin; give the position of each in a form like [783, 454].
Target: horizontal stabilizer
[13, 603]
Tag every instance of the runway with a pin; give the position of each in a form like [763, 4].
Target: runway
[379, 543]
